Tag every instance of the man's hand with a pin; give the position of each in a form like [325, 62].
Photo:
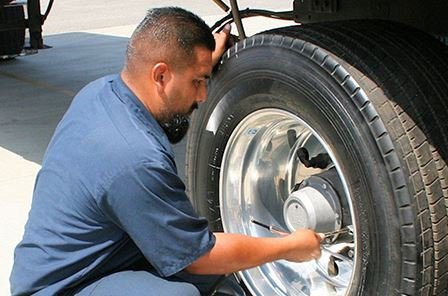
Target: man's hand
[221, 40]
[304, 245]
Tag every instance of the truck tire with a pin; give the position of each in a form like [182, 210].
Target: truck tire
[358, 107]
[12, 30]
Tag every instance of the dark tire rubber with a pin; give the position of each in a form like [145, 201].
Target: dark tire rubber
[377, 92]
[12, 35]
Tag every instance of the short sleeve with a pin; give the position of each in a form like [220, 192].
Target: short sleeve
[150, 204]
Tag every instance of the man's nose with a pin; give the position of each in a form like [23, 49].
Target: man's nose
[202, 94]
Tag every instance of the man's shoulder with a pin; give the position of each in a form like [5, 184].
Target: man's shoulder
[98, 84]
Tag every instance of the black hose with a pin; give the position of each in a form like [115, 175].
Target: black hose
[47, 11]
[282, 15]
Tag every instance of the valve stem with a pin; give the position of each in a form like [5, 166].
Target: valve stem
[271, 228]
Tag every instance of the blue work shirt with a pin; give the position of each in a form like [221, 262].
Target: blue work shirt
[108, 190]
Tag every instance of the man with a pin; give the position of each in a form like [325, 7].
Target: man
[109, 213]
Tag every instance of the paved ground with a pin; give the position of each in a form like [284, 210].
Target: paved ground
[88, 40]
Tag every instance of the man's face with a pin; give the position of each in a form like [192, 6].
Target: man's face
[187, 89]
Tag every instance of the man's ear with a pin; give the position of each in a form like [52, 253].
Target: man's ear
[160, 75]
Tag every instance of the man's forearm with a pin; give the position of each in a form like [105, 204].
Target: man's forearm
[234, 252]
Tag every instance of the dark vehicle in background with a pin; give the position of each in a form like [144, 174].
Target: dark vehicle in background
[338, 123]
[15, 18]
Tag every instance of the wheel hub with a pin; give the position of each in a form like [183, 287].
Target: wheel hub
[314, 206]
[259, 173]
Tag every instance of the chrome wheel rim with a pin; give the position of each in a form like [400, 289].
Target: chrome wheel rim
[258, 173]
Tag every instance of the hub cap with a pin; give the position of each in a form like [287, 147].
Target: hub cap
[314, 206]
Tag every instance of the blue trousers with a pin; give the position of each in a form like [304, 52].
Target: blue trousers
[130, 274]
[142, 282]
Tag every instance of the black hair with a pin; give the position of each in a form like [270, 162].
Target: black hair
[171, 33]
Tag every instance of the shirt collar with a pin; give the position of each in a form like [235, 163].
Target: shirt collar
[136, 107]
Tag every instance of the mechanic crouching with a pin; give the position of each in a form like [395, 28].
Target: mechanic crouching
[109, 214]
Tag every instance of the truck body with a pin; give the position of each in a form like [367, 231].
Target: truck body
[18, 17]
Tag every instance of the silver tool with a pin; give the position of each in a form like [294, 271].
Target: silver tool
[331, 234]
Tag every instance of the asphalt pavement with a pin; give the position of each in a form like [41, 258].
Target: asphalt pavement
[88, 40]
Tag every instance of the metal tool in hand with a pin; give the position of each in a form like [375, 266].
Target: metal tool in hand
[327, 235]
[331, 234]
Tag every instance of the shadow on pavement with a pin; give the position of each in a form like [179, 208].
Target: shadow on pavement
[36, 90]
